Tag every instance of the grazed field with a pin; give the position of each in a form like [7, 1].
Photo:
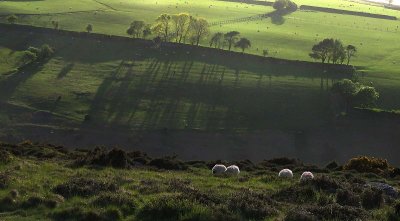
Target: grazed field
[292, 38]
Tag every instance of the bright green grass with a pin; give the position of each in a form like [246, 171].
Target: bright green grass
[250, 99]
[292, 40]
[155, 91]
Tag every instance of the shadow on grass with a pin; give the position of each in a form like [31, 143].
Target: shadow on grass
[10, 84]
[65, 70]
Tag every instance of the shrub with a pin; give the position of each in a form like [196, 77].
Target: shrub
[367, 96]
[284, 161]
[168, 163]
[34, 50]
[325, 183]
[123, 201]
[191, 193]
[365, 164]
[79, 214]
[28, 57]
[81, 186]
[116, 158]
[45, 52]
[5, 180]
[299, 215]
[5, 157]
[36, 201]
[251, 204]
[169, 207]
[372, 198]
[347, 198]
[8, 204]
[12, 19]
[332, 165]
[337, 212]
[14, 194]
[297, 194]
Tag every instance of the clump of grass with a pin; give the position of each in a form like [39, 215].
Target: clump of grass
[5, 180]
[299, 214]
[8, 204]
[168, 163]
[190, 192]
[116, 158]
[5, 157]
[347, 198]
[36, 201]
[82, 186]
[372, 198]
[325, 183]
[251, 204]
[298, 193]
[172, 207]
[124, 201]
[79, 214]
[337, 212]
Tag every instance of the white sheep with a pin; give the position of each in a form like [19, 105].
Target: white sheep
[232, 170]
[306, 176]
[219, 169]
[286, 173]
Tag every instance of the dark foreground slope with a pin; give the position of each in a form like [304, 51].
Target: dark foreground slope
[48, 182]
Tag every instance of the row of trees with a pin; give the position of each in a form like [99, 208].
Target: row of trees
[229, 39]
[180, 28]
[183, 28]
[332, 50]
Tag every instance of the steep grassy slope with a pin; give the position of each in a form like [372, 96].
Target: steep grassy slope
[124, 84]
[290, 38]
[50, 183]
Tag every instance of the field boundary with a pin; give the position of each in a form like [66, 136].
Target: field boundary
[55, 13]
[314, 8]
[344, 70]
[346, 12]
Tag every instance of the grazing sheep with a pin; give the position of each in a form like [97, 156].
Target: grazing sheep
[219, 169]
[286, 173]
[306, 176]
[232, 170]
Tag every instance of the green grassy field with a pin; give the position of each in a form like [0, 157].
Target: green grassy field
[147, 88]
[40, 182]
[375, 39]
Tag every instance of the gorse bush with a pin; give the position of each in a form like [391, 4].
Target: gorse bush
[365, 164]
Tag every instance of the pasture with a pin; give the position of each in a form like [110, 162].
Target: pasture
[291, 37]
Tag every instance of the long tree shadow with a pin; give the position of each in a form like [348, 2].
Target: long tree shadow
[65, 70]
[277, 17]
[9, 85]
